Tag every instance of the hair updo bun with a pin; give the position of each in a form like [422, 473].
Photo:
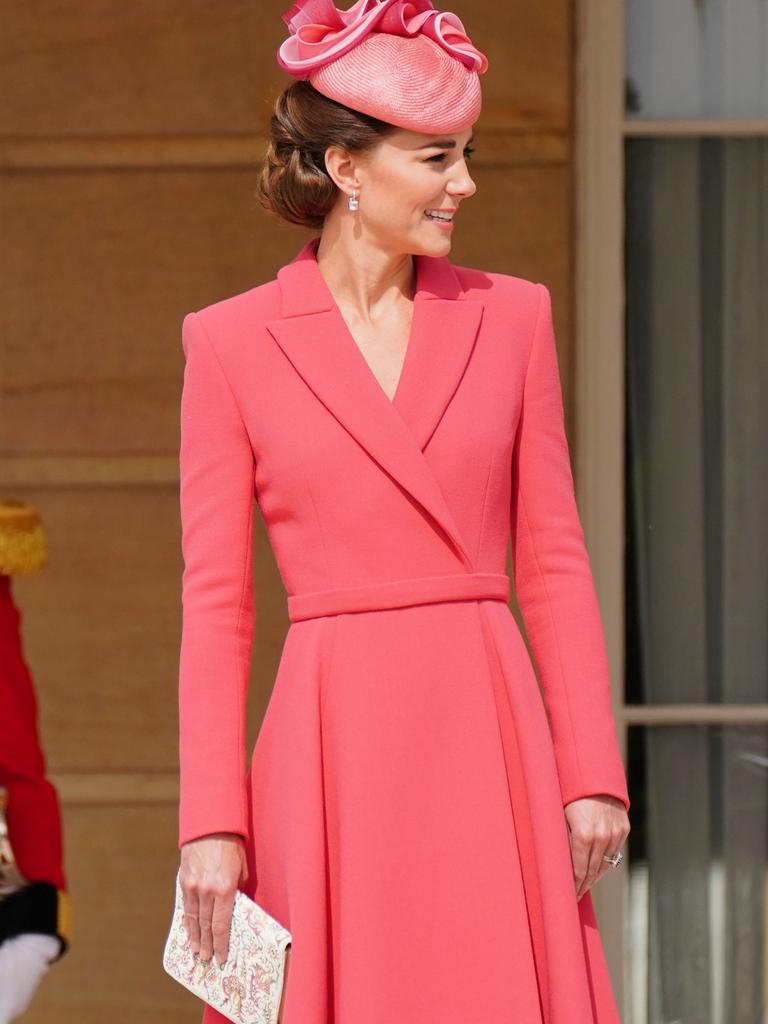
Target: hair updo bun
[293, 182]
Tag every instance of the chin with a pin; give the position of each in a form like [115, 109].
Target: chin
[436, 238]
[426, 246]
[439, 247]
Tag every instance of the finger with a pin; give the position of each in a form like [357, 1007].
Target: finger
[222, 922]
[595, 862]
[190, 919]
[582, 878]
[614, 845]
[580, 858]
[605, 866]
[206, 932]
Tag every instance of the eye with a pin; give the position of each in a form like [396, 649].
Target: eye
[439, 157]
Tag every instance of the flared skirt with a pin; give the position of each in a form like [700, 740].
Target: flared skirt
[407, 827]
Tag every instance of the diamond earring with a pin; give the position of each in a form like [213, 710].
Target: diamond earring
[352, 202]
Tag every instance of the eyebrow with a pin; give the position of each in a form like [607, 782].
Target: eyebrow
[444, 144]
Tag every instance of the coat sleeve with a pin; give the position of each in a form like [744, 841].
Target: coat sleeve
[216, 466]
[554, 584]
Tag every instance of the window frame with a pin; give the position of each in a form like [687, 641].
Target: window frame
[600, 131]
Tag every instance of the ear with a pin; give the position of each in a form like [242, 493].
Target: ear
[343, 167]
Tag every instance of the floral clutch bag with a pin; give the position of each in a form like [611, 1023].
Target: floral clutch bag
[249, 988]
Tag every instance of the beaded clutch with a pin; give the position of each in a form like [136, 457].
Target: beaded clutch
[249, 988]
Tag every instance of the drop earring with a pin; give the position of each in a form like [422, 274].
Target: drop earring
[352, 202]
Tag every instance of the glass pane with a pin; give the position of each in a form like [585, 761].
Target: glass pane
[697, 853]
[696, 58]
[697, 420]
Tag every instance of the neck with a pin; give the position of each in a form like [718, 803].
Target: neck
[361, 275]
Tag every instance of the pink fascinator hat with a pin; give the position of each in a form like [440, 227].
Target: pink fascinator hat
[400, 61]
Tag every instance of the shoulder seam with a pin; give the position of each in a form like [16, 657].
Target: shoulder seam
[206, 335]
[540, 292]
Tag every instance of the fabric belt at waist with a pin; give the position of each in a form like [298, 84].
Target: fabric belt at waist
[474, 586]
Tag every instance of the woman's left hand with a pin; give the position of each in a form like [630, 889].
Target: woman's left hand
[597, 825]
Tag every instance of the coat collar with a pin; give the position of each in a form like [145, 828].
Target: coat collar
[303, 288]
[314, 336]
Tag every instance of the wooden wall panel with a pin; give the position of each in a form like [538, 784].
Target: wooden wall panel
[151, 66]
[207, 66]
[102, 624]
[129, 139]
[99, 268]
[122, 862]
[528, 82]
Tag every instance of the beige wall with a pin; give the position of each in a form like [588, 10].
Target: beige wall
[128, 142]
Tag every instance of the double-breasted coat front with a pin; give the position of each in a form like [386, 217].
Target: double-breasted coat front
[403, 805]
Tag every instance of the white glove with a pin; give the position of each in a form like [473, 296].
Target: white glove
[24, 959]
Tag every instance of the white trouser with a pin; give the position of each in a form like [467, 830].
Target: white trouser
[24, 959]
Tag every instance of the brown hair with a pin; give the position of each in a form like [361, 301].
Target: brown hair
[293, 182]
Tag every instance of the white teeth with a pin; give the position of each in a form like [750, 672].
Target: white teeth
[439, 216]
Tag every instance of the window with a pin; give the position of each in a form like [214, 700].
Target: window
[696, 429]
[672, 384]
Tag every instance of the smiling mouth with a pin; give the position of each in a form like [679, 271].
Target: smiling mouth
[439, 215]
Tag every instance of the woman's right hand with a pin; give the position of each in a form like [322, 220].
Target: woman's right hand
[211, 870]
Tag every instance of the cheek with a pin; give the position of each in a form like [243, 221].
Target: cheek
[408, 192]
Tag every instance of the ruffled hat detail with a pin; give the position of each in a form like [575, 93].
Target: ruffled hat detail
[401, 61]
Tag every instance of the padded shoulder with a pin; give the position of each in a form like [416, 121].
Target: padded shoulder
[492, 285]
[242, 311]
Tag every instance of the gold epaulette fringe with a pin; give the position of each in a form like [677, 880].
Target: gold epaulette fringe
[23, 544]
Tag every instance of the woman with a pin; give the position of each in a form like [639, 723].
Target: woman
[409, 813]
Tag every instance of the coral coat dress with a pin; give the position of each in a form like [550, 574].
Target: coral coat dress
[403, 806]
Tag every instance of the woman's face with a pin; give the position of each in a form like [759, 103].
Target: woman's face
[403, 177]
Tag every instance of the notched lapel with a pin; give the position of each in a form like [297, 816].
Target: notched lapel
[314, 336]
[443, 335]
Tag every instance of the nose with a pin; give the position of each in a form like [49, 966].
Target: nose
[461, 184]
